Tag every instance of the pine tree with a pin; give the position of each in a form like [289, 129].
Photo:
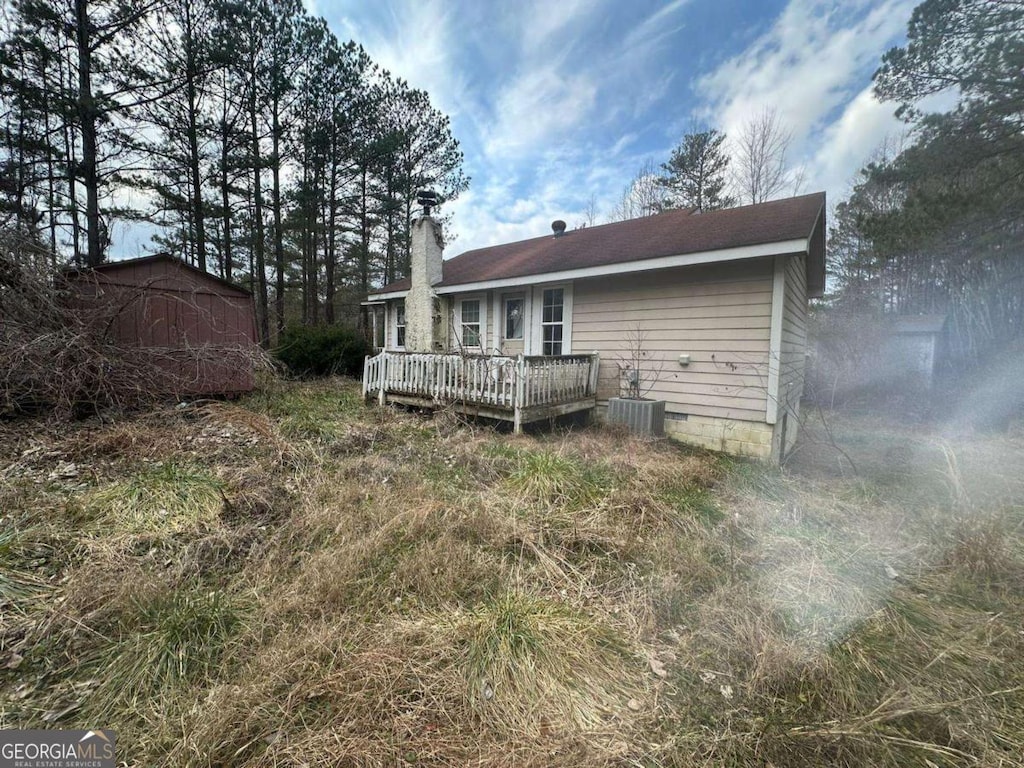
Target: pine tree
[177, 167]
[957, 233]
[697, 172]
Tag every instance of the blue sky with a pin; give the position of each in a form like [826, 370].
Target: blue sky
[556, 101]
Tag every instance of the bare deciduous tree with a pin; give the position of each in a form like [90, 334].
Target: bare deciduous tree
[643, 196]
[589, 216]
[640, 369]
[759, 158]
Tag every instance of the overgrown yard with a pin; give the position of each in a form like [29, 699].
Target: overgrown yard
[297, 579]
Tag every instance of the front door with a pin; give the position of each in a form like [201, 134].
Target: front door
[512, 323]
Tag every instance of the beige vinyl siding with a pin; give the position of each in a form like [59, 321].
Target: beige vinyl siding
[720, 315]
[792, 357]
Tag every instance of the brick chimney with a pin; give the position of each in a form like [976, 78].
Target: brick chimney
[421, 327]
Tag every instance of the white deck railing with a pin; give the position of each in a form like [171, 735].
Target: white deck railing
[510, 383]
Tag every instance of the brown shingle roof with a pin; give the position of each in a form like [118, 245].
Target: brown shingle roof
[174, 261]
[665, 234]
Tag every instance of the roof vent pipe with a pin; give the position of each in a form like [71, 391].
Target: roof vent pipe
[558, 227]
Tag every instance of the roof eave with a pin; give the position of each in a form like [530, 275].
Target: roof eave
[815, 267]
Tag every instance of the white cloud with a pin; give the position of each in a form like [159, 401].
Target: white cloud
[534, 113]
[542, 21]
[624, 141]
[851, 140]
[864, 127]
[416, 45]
[537, 108]
[809, 63]
[655, 27]
[811, 66]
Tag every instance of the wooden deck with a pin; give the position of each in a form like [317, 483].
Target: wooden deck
[517, 389]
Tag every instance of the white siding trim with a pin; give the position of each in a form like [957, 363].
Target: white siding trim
[528, 314]
[799, 245]
[498, 331]
[375, 297]
[392, 310]
[775, 339]
[567, 319]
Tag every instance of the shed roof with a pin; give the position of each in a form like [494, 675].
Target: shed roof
[672, 233]
[108, 267]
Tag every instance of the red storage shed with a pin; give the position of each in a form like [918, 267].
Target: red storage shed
[204, 327]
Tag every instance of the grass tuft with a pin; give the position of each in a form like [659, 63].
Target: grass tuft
[534, 663]
[18, 582]
[551, 478]
[170, 639]
[168, 497]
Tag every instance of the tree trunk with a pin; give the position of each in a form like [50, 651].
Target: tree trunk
[389, 272]
[87, 125]
[278, 229]
[314, 243]
[51, 191]
[260, 257]
[364, 239]
[198, 221]
[304, 237]
[332, 208]
[69, 166]
[227, 265]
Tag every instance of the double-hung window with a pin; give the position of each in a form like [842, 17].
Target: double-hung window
[400, 324]
[469, 318]
[552, 321]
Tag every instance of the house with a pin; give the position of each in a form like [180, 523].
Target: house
[198, 328]
[529, 329]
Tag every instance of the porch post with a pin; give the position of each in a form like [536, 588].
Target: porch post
[382, 379]
[595, 372]
[520, 395]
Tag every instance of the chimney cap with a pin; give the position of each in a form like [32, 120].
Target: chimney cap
[428, 199]
[558, 227]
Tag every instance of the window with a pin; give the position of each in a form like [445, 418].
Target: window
[552, 327]
[400, 324]
[514, 318]
[469, 314]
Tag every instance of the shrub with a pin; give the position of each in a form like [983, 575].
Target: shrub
[322, 350]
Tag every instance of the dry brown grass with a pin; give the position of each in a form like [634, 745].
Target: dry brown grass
[318, 583]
